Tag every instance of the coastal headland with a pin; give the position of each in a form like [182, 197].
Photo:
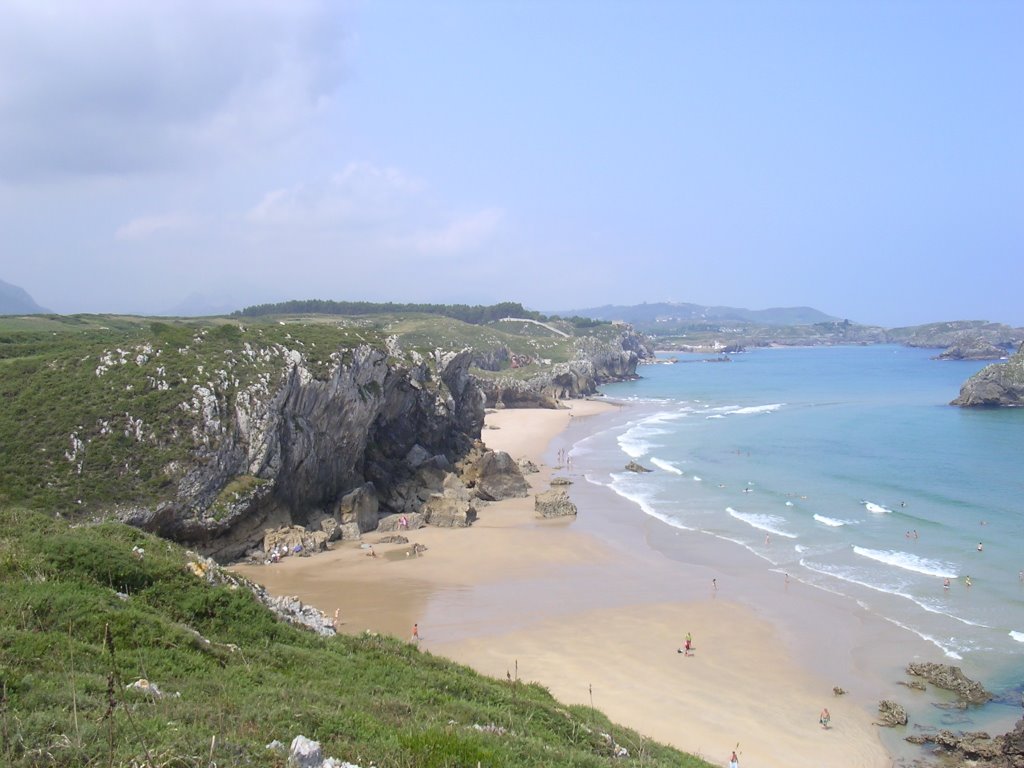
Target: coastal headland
[576, 608]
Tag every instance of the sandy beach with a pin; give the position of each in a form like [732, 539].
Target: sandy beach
[584, 616]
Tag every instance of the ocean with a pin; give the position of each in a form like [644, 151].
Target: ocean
[843, 469]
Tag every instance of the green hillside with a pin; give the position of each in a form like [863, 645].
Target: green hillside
[83, 616]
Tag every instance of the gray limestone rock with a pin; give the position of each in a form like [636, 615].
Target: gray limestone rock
[554, 503]
[950, 678]
[360, 507]
[449, 512]
[294, 540]
[499, 477]
[635, 467]
[892, 714]
[1001, 384]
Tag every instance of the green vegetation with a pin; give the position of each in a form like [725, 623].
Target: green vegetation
[476, 314]
[83, 615]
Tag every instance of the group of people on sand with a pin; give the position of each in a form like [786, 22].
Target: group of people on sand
[564, 459]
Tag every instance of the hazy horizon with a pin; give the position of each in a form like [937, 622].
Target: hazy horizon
[860, 158]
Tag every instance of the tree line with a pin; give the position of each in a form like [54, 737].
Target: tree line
[476, 314]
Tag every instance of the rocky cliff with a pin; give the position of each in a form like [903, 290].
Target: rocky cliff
[595, 361]
[1000, 384]
[288, 455]
[214, 433]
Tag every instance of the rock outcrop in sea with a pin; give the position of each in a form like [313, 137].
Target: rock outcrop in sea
[950, 678]
[1000, 384]
[972, 349]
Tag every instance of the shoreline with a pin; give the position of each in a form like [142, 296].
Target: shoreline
[580, 606]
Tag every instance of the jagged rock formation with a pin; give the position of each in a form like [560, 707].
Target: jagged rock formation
[496, 476]
[453, 507]
[978, 749]
[972, 349]
[554, 503]
[636, 467]
[950, 678]
[1001, 384]
[595, 362]
[892, 714]
[373, 424]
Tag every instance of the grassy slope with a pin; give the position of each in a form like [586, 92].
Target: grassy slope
[69, 645]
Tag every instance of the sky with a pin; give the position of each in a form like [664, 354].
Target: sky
[862, 158]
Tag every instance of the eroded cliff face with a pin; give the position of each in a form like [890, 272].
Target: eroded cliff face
[287, 455]
[595, 362]
[1001, 384]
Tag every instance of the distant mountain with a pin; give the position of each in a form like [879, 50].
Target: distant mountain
[16, 301]
[673, 314]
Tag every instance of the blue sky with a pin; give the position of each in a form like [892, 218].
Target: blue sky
[863, 158]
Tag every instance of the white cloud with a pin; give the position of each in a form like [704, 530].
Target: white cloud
[147, 226]
[118, 87]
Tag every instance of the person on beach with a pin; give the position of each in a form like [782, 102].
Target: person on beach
[687, 645]
[734, 762]
[945, 583]
[415, 633]
[981, 547]
[824, 718]
[714, 584]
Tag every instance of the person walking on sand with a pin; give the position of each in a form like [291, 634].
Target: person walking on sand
[734, 762]
[824, 718]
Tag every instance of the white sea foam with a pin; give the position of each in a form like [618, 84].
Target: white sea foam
[832, 522]
[849, 577]
[948, 650]
[633, 444]
[698, 479]
[636, 440]
[668, 466]
[877, 509]
[642, 500]
[908, 562]
[1018, 636]
[644, 503]
[758, 409]
[715, 416]
[789, 503]
[767, 523]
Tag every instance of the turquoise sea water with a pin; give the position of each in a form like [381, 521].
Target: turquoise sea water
[845, 468]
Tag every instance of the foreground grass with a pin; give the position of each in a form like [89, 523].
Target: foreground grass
[82, 616]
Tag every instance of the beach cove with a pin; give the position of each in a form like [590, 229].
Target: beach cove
[590, 610]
